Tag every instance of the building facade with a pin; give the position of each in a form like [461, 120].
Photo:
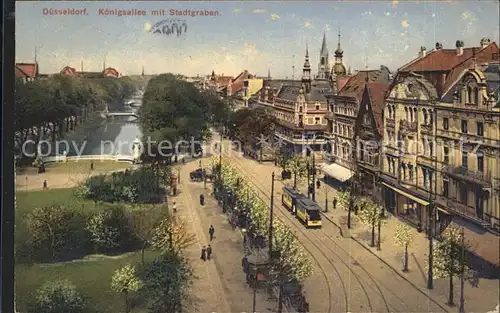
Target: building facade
[106, 72]
[343, 111]
[26, 72]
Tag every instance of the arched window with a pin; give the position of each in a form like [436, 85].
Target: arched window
[424, 111]
[407, 114]
[411, 115]
[431, 120]
[469, 94]
[389, 110]
[476, 95]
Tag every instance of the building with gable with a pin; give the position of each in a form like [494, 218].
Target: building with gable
[27, 72]
[106, 72]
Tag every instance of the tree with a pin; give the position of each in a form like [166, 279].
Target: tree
[59, 296]
[297, 165]
[403, 237]
[171, 235]
[109, 230]
[124, 281]
[447, 258]
[370, 215]
[344, 198]
[167, 281]
[142, 223]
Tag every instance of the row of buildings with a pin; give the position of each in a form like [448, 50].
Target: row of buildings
[31, 71]
[425, 140]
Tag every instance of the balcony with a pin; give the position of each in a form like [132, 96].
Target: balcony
[426, 160]
[329, 115]
[426, 129]
[465, 211]
[389, 122]
[407, 127]
[463, 173]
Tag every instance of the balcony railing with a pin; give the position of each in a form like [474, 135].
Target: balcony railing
[462, 209]
[426, 128]
[466, 174]
[408, 126]
[390, 122]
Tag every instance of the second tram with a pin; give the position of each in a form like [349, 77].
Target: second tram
[289, 198]
[308, 212]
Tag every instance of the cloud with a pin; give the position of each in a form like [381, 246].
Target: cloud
[405, 23]
[387, 13]
[307, 24]
[259, 11]
[275, 17]
[237, 10]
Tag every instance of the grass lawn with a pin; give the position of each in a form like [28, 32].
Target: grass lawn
[92, 279]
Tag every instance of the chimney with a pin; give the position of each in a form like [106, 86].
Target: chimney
[485, 42]
[439, 46]
[423, 52]
[460, 47]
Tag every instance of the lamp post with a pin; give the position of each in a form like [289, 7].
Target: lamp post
[379, 236]
[314, 178]
[326, 198]
[308, 180]
[271, 216]
[431, 213]
[461, 308]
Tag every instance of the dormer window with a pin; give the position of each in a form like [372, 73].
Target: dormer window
[476, 95]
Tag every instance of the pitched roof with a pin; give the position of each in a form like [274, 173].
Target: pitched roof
[26, 70]
[377, 92]
[355, 85]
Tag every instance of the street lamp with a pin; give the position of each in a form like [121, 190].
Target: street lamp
[461, 308]
[308, 180]
[313, 189]
[326, 198]
[271, 216]
[379, 235]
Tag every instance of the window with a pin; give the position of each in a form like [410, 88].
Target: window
[317, 107]
[446, 187]
[480, 129]
[410, 171]
[425, 116]
[463, 193]
[431, 120]
[480, 162]
[335, 128]
[465, 159]
[446, 157]
[464, 127]
[316, 120]
[445, 123]
[469, 94]
[476, 96]
[424, 174]
[300, 109]
[431, 150]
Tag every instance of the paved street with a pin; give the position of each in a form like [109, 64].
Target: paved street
[221, 285]
[353, 277]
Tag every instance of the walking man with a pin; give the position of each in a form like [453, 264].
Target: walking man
[202, 200]
[45, 184]
[318, 184]
[174, 207]
[91, 165]
[334, 203]
[209, 252]
[211, 232]
[203, 253]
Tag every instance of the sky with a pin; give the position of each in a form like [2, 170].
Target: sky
[253, 35]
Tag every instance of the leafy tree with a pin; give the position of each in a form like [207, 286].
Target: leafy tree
[297, 165]
[370, 215]
[59, 296]
[447, 258]
[344, 197]
[109, 230]
[142, 224]
[167, 281]
[171, 235]
[124, 281]
[403, 237]
[55, 232]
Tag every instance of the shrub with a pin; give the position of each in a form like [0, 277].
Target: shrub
[109, 231]
[59, 296]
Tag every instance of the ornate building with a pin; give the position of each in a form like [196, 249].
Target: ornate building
[343, 111]
[442, 122]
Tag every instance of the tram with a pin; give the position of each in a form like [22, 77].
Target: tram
[308, 212]
[289, 198]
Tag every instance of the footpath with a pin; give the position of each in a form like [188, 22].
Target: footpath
[221, 284]
[480, 298]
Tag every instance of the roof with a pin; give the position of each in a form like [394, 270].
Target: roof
[289, 90]
[293, 192]
[311, 205]
[341, 81]
[26, 70]
[355, 85]
[377, 92]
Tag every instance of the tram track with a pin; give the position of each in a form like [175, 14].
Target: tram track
[373, 290]
[316, 241]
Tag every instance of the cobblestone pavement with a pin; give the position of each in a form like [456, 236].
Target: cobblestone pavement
[380, 272]
[221, 285]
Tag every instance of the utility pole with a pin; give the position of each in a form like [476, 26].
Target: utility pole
[326, 198]
[308, 180]
[353, 189]
[461, 308]
[314, 177]
[379, 236]
[271, 211]
[431, 213]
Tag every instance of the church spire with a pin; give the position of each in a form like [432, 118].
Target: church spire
[307, 65]
[339, 52]
[306, 73]
[324, 49]
[268, 73]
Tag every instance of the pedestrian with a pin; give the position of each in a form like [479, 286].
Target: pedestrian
[174, 207]
[211, 232]
[209, 252]
[334, 203]
[203, 253]
[318, 184]
[174, 190]
[202, 199]
[199, 164]
[183, 161]
[45, 184]
[91, 165]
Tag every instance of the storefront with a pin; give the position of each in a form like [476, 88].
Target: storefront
[406, 206]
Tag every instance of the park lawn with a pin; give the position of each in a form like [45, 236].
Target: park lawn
[92, 279]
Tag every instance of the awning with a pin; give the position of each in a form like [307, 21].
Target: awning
[401, 192]
[337, 171]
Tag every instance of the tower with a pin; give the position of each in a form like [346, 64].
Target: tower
[142, 74]
[306, 72]
[338, 67]
[323, 64]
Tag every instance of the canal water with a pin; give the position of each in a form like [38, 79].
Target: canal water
[113, 136]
